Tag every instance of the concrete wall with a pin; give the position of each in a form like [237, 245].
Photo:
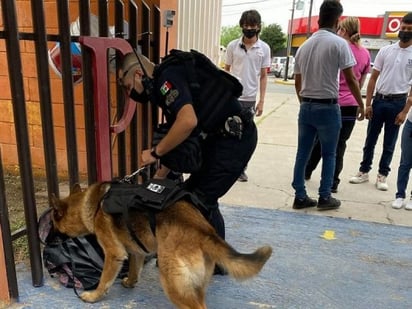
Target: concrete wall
[199, 26]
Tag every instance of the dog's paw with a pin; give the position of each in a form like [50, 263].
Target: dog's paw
[127, 283]
[91, 296]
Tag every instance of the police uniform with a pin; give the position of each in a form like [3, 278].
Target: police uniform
[224, 156]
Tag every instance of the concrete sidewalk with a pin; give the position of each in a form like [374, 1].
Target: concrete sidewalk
[270, 170]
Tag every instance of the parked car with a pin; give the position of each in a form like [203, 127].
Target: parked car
[291, 68]
[276, 65]
[365, 84]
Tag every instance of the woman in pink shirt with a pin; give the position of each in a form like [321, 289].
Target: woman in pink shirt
[349, 30]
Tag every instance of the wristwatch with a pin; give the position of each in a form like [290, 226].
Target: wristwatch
[154, 154]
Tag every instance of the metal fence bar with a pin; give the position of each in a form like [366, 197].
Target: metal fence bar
[39, 28]
[120, 95]
[68, 96]
[134, 136]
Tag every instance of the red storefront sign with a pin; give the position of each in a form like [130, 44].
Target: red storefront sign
[393, 23]
[382, 26]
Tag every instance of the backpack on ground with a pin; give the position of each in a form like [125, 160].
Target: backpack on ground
[76, 262]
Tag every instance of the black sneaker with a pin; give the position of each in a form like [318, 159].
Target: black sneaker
[328, 203]
[306, 202]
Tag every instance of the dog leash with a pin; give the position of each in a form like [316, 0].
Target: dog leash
[129, 178]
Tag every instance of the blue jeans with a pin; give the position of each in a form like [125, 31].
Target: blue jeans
[405, 165]
[323, 121]
[384, 114]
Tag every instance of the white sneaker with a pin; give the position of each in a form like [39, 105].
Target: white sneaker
[381, 183]
[359, 178]
[408, 205]
[398, 203]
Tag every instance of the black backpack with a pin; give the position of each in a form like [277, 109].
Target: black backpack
[76, 262]
[214, 91]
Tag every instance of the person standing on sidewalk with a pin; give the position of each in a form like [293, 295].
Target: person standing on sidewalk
[393, 66]
[317, 65]
[405, 164]
[349, 29]
[248, 58]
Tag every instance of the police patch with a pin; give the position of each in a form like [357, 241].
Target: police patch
[165, 87]
[171, 97]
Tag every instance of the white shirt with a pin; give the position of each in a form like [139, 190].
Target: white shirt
[246, 65]
[319, 60]
[395, 66]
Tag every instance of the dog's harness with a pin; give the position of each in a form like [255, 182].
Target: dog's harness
[150, 198]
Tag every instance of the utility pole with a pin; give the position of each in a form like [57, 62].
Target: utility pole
[299, 6]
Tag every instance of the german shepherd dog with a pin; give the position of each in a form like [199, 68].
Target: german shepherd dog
[187, 245]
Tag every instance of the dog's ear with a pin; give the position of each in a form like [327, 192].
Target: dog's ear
[76, 188]
[59, 207]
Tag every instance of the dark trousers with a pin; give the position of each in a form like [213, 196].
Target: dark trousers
[224, 158]
[384, 114]
[348, 123]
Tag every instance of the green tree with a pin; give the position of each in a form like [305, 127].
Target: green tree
[274, 37]
[229, 33]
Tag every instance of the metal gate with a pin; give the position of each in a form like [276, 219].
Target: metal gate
[143, 20]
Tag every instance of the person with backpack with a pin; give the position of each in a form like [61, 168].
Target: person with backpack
[248, 58]
[197, 104]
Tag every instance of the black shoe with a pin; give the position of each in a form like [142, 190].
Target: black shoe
[305, 202]
[328, 203]
[220, 271]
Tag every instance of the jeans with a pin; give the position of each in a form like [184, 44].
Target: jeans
[323, 121]
[405, 165]
[384, 114]
[348, 123]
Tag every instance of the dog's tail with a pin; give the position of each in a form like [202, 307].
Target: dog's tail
[240, 265]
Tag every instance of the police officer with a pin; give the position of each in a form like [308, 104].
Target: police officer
[224, 156]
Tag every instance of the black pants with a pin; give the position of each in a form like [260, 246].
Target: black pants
[348, 122]
[224, 158]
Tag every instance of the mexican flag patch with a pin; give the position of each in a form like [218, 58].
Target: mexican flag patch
[165, 87]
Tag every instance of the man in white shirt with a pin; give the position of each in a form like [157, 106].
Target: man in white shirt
[248, 58]
[388, 109]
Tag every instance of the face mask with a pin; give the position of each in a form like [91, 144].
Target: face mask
[139, 97]
[405, 36]
[250, 33]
